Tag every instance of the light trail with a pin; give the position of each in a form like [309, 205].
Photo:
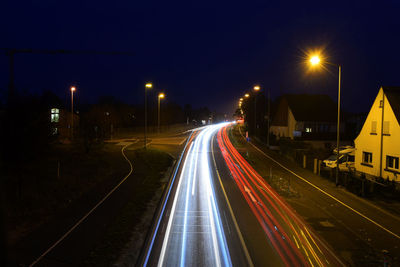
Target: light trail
[280, 223]
[194, 234]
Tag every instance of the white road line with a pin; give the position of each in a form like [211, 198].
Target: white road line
[87, 214]
[171, 217]
[326, 193]
[196, 150]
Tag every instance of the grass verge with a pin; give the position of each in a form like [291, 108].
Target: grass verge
[149, 169]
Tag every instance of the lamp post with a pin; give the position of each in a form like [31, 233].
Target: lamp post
[73, 89]
[314, 61]
[160, 96]
[256, 89]
[147, 86]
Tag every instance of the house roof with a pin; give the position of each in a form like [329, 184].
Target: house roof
[393, 95]
[319, 108]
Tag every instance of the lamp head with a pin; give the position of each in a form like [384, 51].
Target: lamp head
[315, 60]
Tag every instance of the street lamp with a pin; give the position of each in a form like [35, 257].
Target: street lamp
[315, 60]
[160, 96]
[148, 86]
[256, 89]
[73, 89]
[246, 95]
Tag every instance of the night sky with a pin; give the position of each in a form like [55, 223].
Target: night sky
[203, 53]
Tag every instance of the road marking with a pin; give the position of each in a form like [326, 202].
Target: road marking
[196, 151]
[87, 214]
[250, 194]
[326, 193]
[172, 213]
[246, 252]
[171, 183]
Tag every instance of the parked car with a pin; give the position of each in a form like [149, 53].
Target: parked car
[346, 159]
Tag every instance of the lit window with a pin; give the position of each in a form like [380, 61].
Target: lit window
[367, 157]
[392, 162]
[308, 130]
[55, 115]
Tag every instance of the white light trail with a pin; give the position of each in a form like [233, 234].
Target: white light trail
[178, 241]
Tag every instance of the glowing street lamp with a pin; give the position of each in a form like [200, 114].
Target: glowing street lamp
[160, 96]
[256, 89]
[246, 95]
[148, 86]
[315, 60]
[73, 89]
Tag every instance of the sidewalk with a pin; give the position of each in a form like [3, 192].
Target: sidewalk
[356, 228]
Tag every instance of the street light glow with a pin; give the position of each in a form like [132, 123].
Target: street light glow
[256, 88]
[246, 95]
[73, 88]
[315, 60]
[161, 95]
[149, 85]
[241, 99]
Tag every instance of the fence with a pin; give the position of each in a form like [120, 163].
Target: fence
[352, 181]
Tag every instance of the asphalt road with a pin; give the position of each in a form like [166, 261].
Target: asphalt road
[218, 212]
[195, 230]
[360, 232]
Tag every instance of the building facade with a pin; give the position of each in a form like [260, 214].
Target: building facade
[378, 144]
[306, 117]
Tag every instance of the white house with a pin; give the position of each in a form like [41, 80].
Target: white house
[305, 116]
[378, 144]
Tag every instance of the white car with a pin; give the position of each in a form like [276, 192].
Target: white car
[346, 159]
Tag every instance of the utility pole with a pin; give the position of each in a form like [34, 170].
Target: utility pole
[338, 128]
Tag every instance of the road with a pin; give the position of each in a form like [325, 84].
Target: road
[219, 212]
[358, 230]
[193, 230]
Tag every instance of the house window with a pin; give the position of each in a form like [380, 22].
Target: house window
[386, 127]
[373, 127]
[308, 130]
[392, 162]
[367, 157]
[55, 115]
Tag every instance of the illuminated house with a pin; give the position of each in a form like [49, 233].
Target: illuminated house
[378, 144]
[305, 116]
[60, 120]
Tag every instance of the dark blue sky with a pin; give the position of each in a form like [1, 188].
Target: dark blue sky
[200, 52]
